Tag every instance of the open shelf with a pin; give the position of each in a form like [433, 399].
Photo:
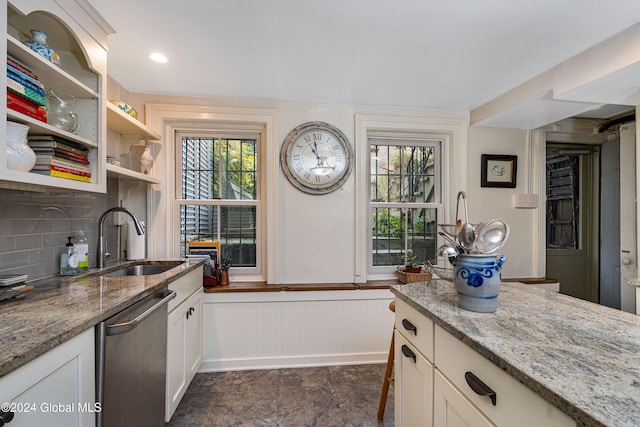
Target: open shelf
[36, 127]
[49, 74]
[124, 173]
[122, 123]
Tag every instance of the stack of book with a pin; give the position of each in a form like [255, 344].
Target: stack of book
[57, 156]
[12, 279]
[25, 94]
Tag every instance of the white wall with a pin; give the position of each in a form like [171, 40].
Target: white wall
[267, 330]
[487, 203]
[316, 234]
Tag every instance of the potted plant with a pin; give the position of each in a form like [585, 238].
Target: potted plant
[410, 264]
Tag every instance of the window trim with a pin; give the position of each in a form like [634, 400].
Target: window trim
[257, 202]
[454, 170]
[423, 140]
[167, 118]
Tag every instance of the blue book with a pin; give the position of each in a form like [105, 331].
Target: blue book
[25, 83]
[24, 76]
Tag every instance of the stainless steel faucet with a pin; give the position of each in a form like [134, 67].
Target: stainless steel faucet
[103, 254]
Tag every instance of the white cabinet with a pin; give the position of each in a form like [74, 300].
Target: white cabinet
[467, 389]
[184, 338]
[413, 391]
[56, 389]
[193, 334]
[79, 37]
[451, 407]
[512, 404]
[413, 388]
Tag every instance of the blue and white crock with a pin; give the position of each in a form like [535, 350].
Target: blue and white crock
[477, 280]
[39, 45]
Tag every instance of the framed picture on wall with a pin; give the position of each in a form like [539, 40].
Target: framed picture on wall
[498, 170]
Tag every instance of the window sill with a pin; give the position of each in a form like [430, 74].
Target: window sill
[264, 287]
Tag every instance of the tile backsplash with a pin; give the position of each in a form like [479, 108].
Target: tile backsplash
[34, 228]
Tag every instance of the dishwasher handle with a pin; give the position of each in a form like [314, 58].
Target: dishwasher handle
[124, 327]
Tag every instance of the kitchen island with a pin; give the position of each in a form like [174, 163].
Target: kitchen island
[581, 357]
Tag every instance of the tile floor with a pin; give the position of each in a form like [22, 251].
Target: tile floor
[334, 396]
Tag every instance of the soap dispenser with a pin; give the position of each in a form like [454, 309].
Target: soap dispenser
[69, 260]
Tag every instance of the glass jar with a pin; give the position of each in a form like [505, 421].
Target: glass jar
[60, 111]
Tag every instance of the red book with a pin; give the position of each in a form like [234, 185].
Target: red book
[20, 66]
[72, 156]
[22, 106]
[60, 169]
[61, 153]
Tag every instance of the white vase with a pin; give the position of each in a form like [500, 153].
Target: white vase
[39, 45]
[19, 155]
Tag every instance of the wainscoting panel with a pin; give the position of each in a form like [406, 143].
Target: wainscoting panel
[296, 329]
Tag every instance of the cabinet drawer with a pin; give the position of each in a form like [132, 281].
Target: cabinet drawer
[185, 286]
[515, 403]
[416, 328]
[413, 387]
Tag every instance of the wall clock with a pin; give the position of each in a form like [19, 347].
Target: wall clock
[316, 157]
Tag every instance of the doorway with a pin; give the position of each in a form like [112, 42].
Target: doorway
[591, 213]
[572, 213]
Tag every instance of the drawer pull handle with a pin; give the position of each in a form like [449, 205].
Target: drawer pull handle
[408, 353]
[409, 326]
[478, 386]
[6, 417]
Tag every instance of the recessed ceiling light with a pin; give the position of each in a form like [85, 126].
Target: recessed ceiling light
[158, 57]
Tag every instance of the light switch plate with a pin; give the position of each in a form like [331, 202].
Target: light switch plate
[525, 201]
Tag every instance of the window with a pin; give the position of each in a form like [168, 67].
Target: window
[218, 194]
[404, 199]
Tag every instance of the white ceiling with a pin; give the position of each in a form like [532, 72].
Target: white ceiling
[453, 54]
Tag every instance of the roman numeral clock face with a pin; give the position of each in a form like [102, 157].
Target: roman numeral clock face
[316, 157]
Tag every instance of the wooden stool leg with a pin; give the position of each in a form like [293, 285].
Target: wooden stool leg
[387, 381]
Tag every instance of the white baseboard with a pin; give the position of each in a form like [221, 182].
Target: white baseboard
[292, 362]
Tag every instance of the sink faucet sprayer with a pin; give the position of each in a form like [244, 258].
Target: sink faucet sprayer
[102, 245]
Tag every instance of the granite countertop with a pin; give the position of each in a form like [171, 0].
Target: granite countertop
[61, 307]
[582, 357]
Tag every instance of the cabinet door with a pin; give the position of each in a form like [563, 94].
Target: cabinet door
[184, 349]
[176, 359]
[451, 408]
[193, 335]
[55, 389]
[414, 385]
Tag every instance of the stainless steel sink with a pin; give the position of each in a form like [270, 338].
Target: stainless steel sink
[144, 269]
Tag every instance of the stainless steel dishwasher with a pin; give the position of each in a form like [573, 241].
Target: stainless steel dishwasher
[131, 358]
